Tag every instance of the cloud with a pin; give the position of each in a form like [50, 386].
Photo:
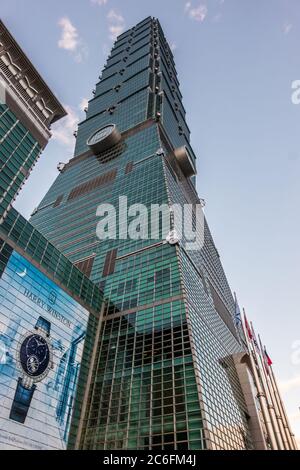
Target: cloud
[116, 24]
[198, 13]
[63, 130]
[287, 27]
[99, 2]
[83, 104]
[173, 46]
[288, 385]
[70, 40]
[69, 36]
[114, 16]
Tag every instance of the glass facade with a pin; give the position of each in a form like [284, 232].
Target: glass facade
[161, 373]
[23, 235]
[19, 150]
[144, 392]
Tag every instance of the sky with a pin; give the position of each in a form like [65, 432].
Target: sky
[236, 62]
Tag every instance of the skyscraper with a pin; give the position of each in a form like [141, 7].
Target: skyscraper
[164, 369]
[27, 109]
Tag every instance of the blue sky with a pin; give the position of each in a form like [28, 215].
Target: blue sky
[236, 62]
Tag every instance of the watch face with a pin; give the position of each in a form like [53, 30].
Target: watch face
[34, 356]
[100, 134]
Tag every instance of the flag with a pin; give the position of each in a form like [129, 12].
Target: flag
[237, 313]
[268, 359]
[247, 326]
[263, 357]
[255, 340]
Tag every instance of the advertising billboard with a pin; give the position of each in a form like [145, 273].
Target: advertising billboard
[42, 333]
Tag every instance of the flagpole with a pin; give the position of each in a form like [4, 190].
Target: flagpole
[279, 432]
[283, 413]
[289, 434]
[238, 321]
[278, 415]
[260, 393]
[288, 440]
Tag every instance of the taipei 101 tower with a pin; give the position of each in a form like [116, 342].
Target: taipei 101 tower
[169, 367]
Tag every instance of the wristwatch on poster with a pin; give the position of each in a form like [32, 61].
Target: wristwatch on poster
[34, 359]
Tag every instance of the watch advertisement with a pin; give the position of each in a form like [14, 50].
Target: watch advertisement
[42, 333]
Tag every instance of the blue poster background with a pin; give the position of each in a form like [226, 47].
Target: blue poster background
[25, 295]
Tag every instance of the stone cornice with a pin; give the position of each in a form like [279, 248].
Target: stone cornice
[22, 78]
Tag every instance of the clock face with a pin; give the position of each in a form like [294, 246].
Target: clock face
[34, 355]
[103, 139]
[100, 134]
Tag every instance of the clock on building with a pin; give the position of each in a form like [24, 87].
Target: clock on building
[104, 138]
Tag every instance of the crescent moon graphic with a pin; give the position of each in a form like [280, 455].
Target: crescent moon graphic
[23, 274]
